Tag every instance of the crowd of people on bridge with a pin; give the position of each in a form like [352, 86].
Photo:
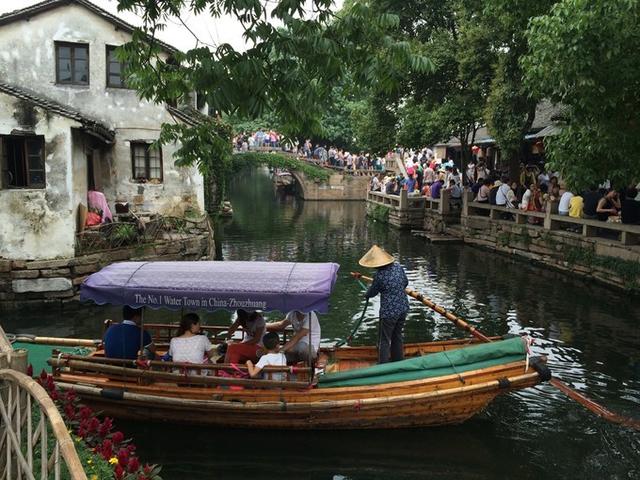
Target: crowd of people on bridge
[246, 141]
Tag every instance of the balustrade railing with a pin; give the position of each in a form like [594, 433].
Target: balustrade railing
[552, 221]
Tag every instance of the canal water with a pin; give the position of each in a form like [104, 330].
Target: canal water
[590, 334]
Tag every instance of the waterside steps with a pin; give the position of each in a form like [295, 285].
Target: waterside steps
[448, 237]
[34, 441]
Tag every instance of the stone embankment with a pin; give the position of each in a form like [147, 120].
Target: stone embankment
[58, 280]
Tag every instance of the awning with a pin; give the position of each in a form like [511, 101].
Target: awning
[266, 286]
[547, 131]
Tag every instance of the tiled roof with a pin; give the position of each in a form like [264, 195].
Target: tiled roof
[187, 114]
[88, 124]
[28, 12]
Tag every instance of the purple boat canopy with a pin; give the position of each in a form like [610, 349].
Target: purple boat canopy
[266, 286]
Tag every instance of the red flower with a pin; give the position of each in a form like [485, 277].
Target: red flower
[43, 376]
[147, 469]
[85, 413]
[134, 465]
[123, 457]
[117, 437]
[119, 472]
[105, 427]
[70, 412]
[106, 449]
[93, 425]
[30, 370]
[70, 396]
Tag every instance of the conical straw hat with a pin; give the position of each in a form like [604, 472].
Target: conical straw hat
[376, 257]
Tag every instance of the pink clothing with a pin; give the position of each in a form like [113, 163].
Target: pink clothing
[99, 201]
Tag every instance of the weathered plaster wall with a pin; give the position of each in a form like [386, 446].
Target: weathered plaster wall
[121, 109]
[38, 223]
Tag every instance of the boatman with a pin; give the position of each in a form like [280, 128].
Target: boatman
[389, 281]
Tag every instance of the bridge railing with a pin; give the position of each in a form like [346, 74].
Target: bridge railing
[551, 220]
[34, 441]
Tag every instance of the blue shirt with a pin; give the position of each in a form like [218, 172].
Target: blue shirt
[390, 282]
[123, 340]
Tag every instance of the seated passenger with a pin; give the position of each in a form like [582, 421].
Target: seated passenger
[297, 349]
[272, 357]
[189, 346]
[123, 340]
[253, 325]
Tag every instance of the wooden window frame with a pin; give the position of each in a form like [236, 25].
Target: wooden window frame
[147, 166]
[4, 161]
[72, 45]
[123, 83]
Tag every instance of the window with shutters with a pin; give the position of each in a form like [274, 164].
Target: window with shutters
[72, 63]
[146, 161]
[22, 161]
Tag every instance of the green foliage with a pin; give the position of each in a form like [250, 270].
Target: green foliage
[582, 54]
[124, 233]
[628, 270]
[286, 70]
[379, 213]
[279, 160]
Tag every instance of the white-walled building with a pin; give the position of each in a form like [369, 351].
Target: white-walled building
[67, 120]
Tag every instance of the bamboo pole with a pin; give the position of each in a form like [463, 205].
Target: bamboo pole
[174, 377]
[180, 365]
[560, 385]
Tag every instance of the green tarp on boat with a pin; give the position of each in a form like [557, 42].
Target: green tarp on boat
[432, 365]
[39, 354]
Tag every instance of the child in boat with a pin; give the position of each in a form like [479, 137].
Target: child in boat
[272, 357]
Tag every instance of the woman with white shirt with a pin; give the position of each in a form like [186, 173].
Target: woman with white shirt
[188, 346]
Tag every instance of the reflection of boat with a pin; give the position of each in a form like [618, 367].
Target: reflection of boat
[440, 383]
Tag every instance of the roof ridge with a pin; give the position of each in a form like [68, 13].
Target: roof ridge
[45, 5]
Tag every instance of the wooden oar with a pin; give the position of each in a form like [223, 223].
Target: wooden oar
[563, 387]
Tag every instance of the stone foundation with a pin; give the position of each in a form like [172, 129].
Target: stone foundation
[55, 281]
[605, 261]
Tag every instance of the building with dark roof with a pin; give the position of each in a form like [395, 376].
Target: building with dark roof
[69, 123]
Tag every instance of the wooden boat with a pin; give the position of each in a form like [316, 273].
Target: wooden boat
[311, 397]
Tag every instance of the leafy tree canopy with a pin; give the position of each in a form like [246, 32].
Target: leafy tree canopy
[583, 56]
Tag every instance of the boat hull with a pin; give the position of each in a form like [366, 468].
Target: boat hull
[433, 402]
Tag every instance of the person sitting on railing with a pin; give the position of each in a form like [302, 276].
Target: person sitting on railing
[564, 205]
[253, 326]
[455, 193]
[608, 206]
[484, 191]
[189, 346]
[124, 340]
[272, 357]
[505, 196]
